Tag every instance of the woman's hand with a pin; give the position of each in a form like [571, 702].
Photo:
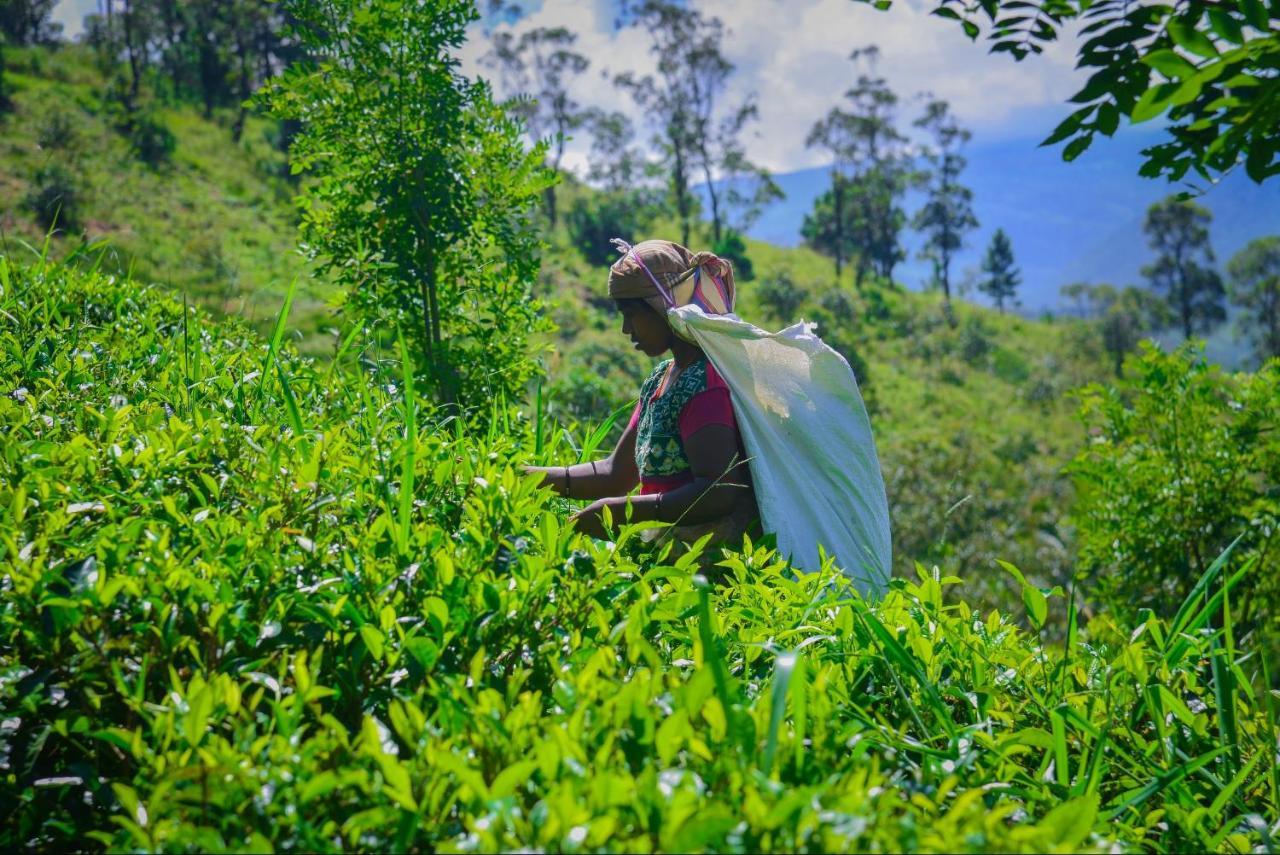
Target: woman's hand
[590, 520]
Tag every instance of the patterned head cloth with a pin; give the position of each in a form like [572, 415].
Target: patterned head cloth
[666, 275]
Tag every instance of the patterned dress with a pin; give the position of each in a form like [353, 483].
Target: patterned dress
[665, 418]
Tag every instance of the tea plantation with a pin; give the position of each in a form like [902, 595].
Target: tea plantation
[254, 603]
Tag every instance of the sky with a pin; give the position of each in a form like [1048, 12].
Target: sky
[793, 56]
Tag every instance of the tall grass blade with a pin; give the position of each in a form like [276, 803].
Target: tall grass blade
[900, 658]
[782, 671]
[537, 423]
[277, 335]
[1270, 712]
[410, 446]
[601, 431]
[1197, 593]
[290, 402]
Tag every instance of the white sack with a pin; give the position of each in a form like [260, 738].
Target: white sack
[806, 432]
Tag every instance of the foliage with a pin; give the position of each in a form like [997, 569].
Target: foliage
[54, 197]
[595, 219]
[28, 22]
[1182, 461]
[870, 171]
[948, 209]
[730, 246]
[1002, 276]
[216, 223]
[1255, 286]
[1179, 233]
[782, 297]
[149, 136]
[1207, 67]
[1125, 316]
[212, 52]
[252, 603]
[421, 210]
[826, 228]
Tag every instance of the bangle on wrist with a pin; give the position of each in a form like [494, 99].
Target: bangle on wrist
[658, 508]
[567, 482]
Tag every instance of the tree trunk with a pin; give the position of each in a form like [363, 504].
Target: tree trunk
[711, 192]
[680, 182]
[238, 128]
[131, 105]
[838, 193]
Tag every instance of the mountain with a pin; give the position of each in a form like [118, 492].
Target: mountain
[1069, 222]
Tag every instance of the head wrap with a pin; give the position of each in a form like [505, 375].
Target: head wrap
[665, 275]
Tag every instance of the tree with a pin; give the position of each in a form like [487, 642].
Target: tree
[28, 22]
[615, 162]
[1255, 285]
[869, 172]
[1002, 277]
[540, 64]
[422, 204]
[1208, 66]
[948, 209]
[1125, 316]
[683, 104]
[1179, 232]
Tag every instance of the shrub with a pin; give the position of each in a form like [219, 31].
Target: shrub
[1182, 461]
[54, 198]
[597, 218]
[56, 131]
[782, 297]
[149, 137]
[254, 603]
[730, 246]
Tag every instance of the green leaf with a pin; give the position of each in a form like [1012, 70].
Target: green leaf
[1226, 26]
[1071, 823]
[1108, 119]
[373, 639]
[1256, 14]
[1187, 36]
[1037, 605]
[1170, 64]
[1153, 102]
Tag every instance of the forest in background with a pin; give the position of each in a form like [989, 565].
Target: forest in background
[1041, 462]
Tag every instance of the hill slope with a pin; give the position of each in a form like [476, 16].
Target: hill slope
[974, 421]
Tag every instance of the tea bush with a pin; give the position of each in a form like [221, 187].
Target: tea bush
[253, 603]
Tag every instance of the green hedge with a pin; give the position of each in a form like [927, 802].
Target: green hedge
[251, 603]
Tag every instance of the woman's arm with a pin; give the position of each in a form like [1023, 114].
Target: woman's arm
[717, 482]
[616, 475]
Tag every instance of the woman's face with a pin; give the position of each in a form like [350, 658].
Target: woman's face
[647, 330]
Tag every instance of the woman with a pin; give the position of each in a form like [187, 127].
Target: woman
[681, 446]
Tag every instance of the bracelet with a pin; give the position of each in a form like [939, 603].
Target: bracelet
[566, 483]
[593, 468]
[658, 508]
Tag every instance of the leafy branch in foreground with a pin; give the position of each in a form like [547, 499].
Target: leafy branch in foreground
[1208, 67]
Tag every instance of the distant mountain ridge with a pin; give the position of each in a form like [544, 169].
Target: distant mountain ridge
[1069, 222]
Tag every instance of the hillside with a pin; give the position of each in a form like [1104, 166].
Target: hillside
[974, 421]
[214, 219]
[1069, 222]
[225, 627]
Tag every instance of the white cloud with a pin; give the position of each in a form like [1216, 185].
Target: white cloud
[70, 13]
[793, 56]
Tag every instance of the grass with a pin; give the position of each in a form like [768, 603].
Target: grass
[311, 615]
